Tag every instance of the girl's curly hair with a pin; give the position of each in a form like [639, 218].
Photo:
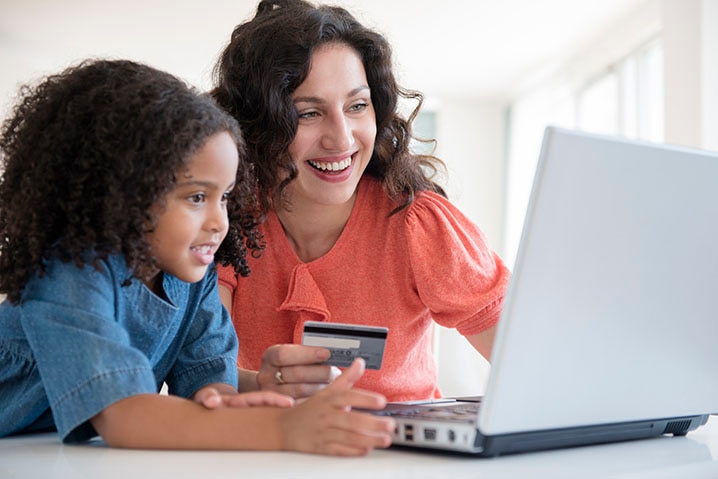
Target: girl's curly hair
[269, 56]
[87, 153]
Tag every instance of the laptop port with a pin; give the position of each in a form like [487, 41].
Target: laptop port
[409, 432]
[452, 435]
[430, 434]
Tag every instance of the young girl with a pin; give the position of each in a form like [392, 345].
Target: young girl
[356, 229]
[119, 186]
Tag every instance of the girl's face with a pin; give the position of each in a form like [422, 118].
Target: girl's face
[193, 222]
[336, 130]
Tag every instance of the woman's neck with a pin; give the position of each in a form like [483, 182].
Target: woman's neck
[313, 230]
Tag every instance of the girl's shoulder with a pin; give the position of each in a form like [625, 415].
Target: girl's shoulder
[71, 279]
[93, 268]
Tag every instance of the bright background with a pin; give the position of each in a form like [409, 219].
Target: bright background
[495, 73]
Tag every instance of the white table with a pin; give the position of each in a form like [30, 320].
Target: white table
[43, 456]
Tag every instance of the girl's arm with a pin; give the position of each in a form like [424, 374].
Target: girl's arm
[322, 424]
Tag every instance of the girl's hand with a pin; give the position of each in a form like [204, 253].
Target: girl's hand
[211, 398]
[326, 424]
[294, 370]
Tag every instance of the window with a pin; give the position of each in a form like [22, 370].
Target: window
[625, 99]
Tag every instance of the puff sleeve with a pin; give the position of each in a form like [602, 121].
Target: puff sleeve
[458, 276]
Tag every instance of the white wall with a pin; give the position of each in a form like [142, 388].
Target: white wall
[691, 72]
[471, 143]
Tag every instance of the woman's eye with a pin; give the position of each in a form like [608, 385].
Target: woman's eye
[308, 114]
[359, 106]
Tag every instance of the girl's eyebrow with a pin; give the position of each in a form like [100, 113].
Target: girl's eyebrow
[314, 99]
[204, 184]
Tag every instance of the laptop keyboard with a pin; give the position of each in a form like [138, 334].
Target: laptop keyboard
[461, 411]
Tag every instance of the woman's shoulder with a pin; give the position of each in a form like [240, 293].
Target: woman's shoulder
[427, 205]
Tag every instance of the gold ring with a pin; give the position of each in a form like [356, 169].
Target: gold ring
[278, 376]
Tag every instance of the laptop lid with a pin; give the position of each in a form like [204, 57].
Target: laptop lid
[609, 329]
[612, 313]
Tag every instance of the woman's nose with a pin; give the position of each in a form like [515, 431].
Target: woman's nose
[338, 133]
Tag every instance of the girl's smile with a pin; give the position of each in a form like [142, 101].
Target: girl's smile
[205, 253]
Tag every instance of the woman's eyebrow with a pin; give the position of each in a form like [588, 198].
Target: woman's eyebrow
[314, 99]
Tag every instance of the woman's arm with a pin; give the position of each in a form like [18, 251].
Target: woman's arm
[248, 380]
[225, 296]
[247, 377]
[483, 342]
[302, 373]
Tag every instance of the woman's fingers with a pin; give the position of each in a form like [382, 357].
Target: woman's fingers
[295, 370]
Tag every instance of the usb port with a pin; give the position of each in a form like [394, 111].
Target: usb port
[409, 432]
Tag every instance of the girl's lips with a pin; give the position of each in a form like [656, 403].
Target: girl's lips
[204, 253]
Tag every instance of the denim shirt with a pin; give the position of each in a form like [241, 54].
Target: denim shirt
[81, 341]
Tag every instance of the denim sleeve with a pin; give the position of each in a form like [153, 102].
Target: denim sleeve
[84, 356]
[209, 354]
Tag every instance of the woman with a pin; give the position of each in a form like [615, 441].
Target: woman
[356, 231]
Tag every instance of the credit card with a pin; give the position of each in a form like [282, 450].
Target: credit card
[347, 342]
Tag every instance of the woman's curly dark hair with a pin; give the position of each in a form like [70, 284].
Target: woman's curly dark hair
[87, 153]
[268, 57]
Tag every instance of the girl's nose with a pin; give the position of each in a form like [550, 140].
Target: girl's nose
[217, 220]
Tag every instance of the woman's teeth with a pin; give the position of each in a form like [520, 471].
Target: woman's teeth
[334, 166]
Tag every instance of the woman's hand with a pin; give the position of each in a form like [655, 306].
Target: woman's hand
[326, 424]
[295, 370]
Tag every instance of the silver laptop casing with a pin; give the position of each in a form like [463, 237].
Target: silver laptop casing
[609, 329]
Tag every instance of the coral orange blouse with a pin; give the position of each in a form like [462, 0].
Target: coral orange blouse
[426, 263]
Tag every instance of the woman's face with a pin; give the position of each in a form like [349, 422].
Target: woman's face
[336, 129]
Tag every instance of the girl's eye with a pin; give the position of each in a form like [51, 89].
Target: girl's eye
[198, 198]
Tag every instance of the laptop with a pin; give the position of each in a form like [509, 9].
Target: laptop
[609, 330]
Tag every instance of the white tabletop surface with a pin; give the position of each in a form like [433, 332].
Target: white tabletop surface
[43, 456]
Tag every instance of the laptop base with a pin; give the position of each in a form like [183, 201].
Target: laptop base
[465, 439]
